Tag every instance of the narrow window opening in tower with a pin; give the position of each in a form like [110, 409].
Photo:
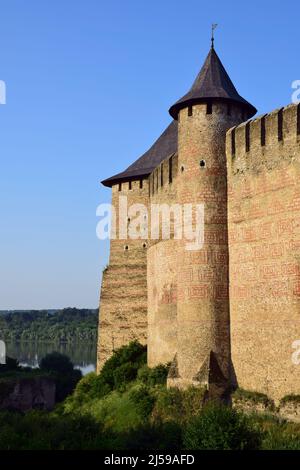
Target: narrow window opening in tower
[120, 186]
[202, 163]
[263, 131]
[228, 109]
[170, 170]
[152, 183]
[247, 136]
[233, 142]
[141, 184]
[156, 179]
[162, 175]
[190, 111]
[280, 125]
[298, 119]
[126, 248]
[130, 185]
[144, 245]
[209, 107]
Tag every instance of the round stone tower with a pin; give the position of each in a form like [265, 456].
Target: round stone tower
[204, 114]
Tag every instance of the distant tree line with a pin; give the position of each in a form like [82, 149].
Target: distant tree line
[64, 326]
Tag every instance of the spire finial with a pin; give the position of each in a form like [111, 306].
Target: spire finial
[213, 27]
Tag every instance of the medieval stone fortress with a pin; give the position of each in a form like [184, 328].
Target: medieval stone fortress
[227, 314]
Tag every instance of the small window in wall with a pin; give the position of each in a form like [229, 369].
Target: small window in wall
[162, 175]
[233, 142]
[120, 186]
[170, 170]
[247, 137]
[141, 184]
[202, 163]
[209, 107]
[126, 248]
[130, 185]
[156, 179]
[263, 131]
[190, 111]
[144, 245]
[152, 183]
[280, 125]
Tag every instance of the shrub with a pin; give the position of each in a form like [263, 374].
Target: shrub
[62, 369]
[10, 365]
[254, 397]
[168, 406]
[134, 354]
[142, 399]
[100, 388]
[116, 412]
[57, 362]
[120, 369]
[85, 389]
[218, 427]
[153, 376]
[124, 374]
[277, 434]
[192, 400]
[179, 405]
[65, 384]
[41, 430]
[143, 374]
[154, 436]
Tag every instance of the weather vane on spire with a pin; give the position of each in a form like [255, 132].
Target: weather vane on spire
[213, 27]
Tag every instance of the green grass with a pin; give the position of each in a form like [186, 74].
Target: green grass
[276, 433]
[115, 411]
[128, 406]
[294, 399]
[254, 397]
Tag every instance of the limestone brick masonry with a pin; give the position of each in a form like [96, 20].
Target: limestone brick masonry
[227, 314]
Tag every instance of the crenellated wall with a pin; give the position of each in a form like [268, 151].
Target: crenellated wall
[263, 160]
[123, 301]
[162, 271]
[179, 299]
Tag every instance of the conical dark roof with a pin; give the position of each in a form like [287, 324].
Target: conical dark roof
[164, 146]
[212, 82]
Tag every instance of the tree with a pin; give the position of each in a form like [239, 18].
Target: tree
[57, 362]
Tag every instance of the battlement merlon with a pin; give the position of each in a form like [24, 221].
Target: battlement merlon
[264, 142]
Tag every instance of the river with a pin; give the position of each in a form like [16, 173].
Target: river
[83, 355]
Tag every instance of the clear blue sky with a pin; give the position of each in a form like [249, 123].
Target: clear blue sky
[89, 84]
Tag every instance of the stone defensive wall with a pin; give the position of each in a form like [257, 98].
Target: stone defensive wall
[263, 165]
[162, 270]
[123, 306]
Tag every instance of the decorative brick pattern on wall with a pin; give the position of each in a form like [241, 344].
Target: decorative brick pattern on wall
[264, 252]
[231, 308]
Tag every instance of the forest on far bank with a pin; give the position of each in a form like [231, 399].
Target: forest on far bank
[64, 326]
